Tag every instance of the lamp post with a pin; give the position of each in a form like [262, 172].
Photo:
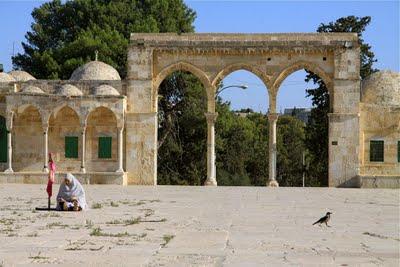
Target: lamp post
[241, 86]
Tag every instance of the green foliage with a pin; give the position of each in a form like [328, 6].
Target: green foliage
[182, 132]
[317, 128]
[65, 34]
[290, 146]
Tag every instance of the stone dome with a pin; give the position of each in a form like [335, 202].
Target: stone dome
[69, 90]
[5, 77]
[105, 89]
[95, 70]
[21, 76]
[381, 88]
[30, 89]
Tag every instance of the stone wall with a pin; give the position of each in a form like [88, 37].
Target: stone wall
[28, 141]
[380, 120]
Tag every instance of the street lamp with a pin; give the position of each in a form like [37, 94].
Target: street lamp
[241, 86]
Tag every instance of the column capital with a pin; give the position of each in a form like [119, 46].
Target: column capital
[45, 127]
[273, 116]
[83, 128]
[211, 117]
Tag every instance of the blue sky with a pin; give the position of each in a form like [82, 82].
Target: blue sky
[247, 17]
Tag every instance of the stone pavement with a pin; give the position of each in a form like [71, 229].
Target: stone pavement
[201, 226]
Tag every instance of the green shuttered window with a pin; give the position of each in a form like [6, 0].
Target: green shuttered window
[398, 151]
[105, 147]
[3, 140]
[71, 147]
[376, 151]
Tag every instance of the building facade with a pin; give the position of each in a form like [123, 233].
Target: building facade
[104, 129]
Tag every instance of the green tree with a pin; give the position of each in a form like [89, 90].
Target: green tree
[182, 130]
[65, 34]
[317, 128]
[290, 146]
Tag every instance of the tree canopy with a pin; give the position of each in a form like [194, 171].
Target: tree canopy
[64, 35]
[317, 128]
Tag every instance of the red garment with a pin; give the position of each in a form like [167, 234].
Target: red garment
[52, 167]
[49, 188]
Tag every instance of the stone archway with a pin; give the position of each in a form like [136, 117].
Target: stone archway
[27, 139]
[333, 56]
[101, 140]
[64, 138]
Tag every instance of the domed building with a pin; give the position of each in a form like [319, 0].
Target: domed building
[30, 89]
[79, 121]
[105, 90]
[69, 90]
[95, 71]
[21, 76]
[5, 77]
[380, 130]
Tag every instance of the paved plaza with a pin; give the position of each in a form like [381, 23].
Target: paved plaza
[201, 226]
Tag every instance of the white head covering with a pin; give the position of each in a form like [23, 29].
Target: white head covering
[74, 190]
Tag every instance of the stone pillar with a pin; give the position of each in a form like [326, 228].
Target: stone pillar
[46, 147]
[141, 118]
[83, 148]
[211, 169]
[9, 142]
[141, 148]
[344, 121]
[9, 151]
[120, 149]
[272, 119]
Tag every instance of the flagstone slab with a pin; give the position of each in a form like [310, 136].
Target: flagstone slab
[223, 226]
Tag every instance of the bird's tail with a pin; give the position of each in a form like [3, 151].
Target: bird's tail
[315, 223]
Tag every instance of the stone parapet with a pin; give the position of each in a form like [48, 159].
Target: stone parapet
[200, 40]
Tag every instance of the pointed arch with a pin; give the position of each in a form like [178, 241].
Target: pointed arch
[101, 109]
[241, 66]
[65, 105]
[182, 66]
[299, 65]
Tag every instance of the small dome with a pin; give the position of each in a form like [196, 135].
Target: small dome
[5, 77]
[105, 89]
[69, 90]
[382, 88]
[95, 70]
[21, 76]
[30, 89]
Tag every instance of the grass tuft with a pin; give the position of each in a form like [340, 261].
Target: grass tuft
[167, 239]
[96, 206]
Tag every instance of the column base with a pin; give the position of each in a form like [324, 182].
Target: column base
[83, 170]
[210, 182]
[45, 169]
[272, 183]
[120, 171]
[9, 170]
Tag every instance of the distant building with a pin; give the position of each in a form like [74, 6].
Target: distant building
[302, 114]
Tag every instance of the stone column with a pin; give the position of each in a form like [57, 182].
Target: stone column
[9, 142]
[211, 172]
[9, 150]
[120, 149]
[272, 118]
[46, 147]
[83, 148]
